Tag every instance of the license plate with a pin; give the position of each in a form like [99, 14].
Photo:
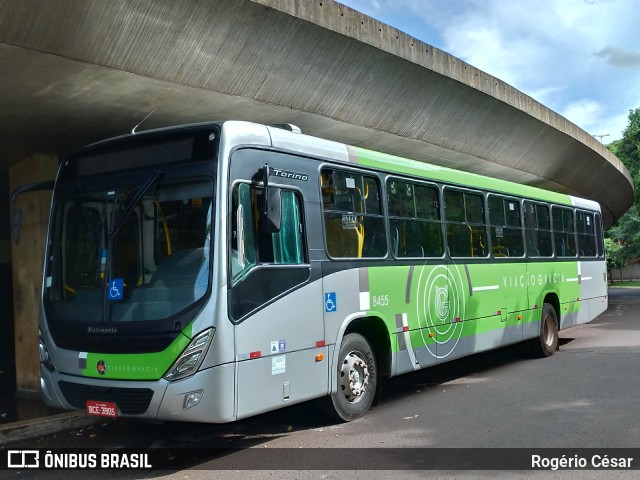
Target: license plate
[101, 409]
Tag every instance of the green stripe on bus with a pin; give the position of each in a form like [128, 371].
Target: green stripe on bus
[134, 366]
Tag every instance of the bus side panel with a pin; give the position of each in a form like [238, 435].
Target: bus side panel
[496, 297]
[553, 277]
[276, 349]
[597, 306]
[587, 285]
[342, 298]
[438, 314]
[594, 287]
[394, 294]
[449, 311]
[282, 379]
[593, 279]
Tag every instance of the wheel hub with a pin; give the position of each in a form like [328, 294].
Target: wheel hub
[354, 377]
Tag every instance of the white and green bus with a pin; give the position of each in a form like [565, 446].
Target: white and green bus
[215, 271]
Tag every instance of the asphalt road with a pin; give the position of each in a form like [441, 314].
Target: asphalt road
[585, 396]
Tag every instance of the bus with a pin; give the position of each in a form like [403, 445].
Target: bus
[215, 271]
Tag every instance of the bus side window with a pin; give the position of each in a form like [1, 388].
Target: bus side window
[599, 235]
[586, 234]
[564, 232]
[466, 227]
[250, 245]
[414, 219]
[288, 243]
[506, 229]
[243, 247]
[352, 211]
[538, 229]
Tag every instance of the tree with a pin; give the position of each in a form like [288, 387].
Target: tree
[623, 242]
[614, 259]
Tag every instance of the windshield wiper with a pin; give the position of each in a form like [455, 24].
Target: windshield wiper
[120, 219]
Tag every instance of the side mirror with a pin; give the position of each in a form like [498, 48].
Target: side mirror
[272, 219]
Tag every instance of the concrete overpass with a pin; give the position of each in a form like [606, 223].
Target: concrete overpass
[77, 71]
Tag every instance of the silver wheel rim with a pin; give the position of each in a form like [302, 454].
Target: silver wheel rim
[354, 377]
[547, 330]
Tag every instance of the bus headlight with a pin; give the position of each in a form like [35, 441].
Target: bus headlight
[188, 363]
[45, 359]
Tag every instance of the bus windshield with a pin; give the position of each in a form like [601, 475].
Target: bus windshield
[128, 252]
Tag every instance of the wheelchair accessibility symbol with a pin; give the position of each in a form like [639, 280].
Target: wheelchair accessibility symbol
[116, 289]
[330, 302]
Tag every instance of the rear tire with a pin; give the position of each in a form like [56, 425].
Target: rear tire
[546, 343]
[357, 380]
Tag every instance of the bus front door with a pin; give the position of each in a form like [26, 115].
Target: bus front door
[275, 299]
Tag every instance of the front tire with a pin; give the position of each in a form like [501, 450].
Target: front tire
[357, 380]
[546, 343]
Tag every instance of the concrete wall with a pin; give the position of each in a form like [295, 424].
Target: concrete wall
[27, 260]
[630, 272]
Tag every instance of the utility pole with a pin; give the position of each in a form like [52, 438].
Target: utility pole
[600, 137]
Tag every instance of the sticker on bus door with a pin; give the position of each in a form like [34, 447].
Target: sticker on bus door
[116, 289]
[330, 304]
[278, 365]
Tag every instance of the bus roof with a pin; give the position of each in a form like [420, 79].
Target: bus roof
[394, 164]
[341, 152]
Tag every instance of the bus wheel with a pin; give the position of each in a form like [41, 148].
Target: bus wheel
[357, 380]
[547, 341]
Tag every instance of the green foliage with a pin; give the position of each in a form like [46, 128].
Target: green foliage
[623, 244]
[627, 148]
[615, 255]
[628, 283]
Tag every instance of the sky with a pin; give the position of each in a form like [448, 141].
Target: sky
[580, 58]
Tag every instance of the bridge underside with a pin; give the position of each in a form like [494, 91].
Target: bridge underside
[80, 71]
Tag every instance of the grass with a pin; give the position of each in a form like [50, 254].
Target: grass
[625, 284]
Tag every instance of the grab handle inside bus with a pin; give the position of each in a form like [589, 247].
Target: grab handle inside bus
[16, 221]
[240, 239]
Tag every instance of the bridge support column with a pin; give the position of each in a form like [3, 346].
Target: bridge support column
[27, 262]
